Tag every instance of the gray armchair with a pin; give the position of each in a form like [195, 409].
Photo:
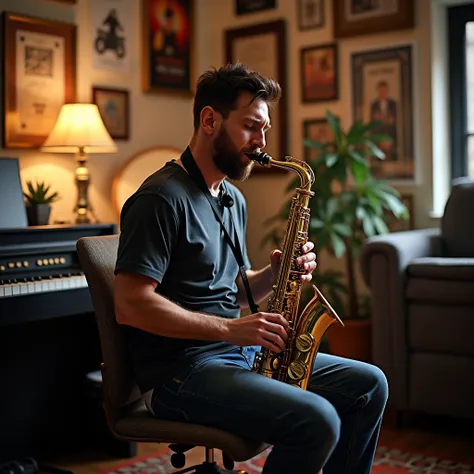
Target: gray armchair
[422, 288]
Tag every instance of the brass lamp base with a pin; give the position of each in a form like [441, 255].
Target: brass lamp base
[83, 209]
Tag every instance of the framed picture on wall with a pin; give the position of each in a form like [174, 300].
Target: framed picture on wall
[243, 7]
[363, 17]
[316, 130]
[382, 91]
[111, 22]
[167, 46]
[319, 73]
[39, 76]
[310, 14]
[114, 108]
[262, 47]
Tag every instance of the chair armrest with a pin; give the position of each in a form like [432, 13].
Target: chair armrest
[400, 248]
[383, 261]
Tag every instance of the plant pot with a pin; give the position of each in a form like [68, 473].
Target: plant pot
[352, 341]
[38, 214]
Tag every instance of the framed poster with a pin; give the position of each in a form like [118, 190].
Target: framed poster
[167, 43]
[319, 131]
[242, 7]
[112, 24]
[310, 14]
[319, 73]
[382, 90]
[114, 109]
[39, 76]
[363, 17]
[263, 48]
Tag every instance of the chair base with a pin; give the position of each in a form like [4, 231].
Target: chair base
[208, 468]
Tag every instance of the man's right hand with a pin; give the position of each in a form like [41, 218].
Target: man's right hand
[259, 329]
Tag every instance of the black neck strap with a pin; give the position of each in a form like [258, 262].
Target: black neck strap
[195, 173]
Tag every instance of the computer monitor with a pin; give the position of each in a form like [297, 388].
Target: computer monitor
[12, 210]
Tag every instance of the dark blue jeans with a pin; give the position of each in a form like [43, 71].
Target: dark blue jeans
[334, 424]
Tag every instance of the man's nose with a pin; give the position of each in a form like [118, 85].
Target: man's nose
[258, 141]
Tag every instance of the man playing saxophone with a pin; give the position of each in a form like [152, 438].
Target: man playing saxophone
[178, 295]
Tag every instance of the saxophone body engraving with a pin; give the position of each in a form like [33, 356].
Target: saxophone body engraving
[294, 365]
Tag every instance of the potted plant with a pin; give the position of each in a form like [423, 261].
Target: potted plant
[348, 206]
[38, 200]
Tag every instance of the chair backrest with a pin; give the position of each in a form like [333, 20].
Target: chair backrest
[97, 256]
[457, 224]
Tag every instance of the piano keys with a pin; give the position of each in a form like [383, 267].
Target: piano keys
[40, 275]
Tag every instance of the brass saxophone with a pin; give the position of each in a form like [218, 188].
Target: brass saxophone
[294, 365]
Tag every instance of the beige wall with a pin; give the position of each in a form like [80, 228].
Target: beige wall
[166, 120]
[155, 119]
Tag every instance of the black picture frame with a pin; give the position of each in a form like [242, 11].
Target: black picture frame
[244, 7]
[117, 122]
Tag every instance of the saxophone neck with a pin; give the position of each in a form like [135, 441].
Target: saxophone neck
[302, 168]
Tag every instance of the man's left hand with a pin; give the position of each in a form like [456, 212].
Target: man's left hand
[307, 262]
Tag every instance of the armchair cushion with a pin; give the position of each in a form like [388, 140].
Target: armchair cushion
[436, 280]
[442, 268]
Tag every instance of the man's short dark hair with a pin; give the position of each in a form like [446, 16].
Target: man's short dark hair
[220, 89]
[382, 84]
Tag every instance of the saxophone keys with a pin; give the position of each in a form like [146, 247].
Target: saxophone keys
[296, 370]
[304, 342]
[275, 363]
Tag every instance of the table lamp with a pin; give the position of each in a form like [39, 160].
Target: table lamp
[80, 130]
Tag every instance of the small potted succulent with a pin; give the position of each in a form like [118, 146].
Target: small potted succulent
[38, 199]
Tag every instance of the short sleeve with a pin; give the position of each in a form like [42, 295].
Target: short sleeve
[148, 235]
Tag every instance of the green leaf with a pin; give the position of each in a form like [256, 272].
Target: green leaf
[316, 223]
[338, 245]
[331, 159]
[312, 144]
[331, 208]
[380, 225]
[342, 229]
[360, 171]
[357, 156]
[376, 151]
[395, 205]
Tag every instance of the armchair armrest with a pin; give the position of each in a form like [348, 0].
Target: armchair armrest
[384, 260]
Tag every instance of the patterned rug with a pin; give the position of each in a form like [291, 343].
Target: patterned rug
[387, 461]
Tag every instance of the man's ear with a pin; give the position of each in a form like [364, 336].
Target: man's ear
[210, 120]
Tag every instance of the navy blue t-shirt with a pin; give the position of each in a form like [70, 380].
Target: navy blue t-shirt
[169, 232]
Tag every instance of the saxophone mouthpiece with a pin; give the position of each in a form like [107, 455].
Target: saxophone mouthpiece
[261, 158]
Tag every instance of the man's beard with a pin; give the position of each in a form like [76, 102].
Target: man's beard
[228, 159]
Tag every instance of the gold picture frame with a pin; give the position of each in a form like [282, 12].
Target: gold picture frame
[33, 94]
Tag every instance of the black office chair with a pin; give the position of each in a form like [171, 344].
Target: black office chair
[127, 417]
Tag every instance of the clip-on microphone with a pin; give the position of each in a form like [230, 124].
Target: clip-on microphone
[227, 200]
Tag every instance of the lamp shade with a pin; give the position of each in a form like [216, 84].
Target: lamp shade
[79, 129]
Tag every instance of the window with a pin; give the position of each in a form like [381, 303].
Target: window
[461, 67]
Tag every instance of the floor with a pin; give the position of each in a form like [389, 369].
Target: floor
[444, 438]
